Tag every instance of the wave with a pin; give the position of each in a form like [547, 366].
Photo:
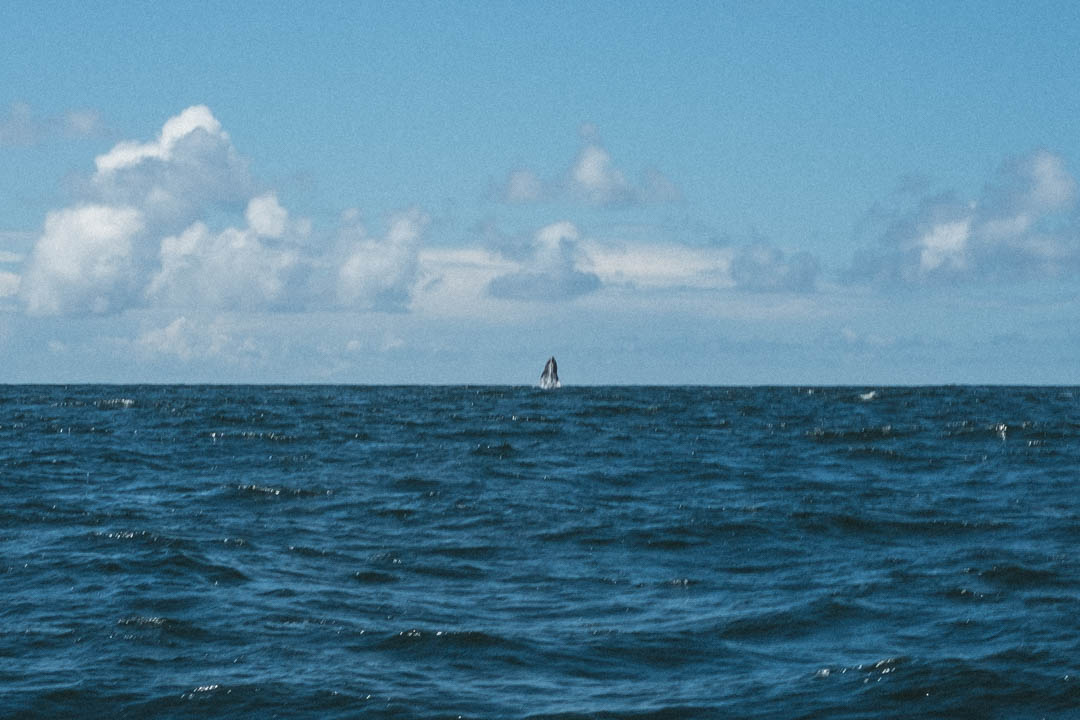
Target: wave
[862, 434]
[864, 524]
[256, 491]
[115, 403]
[435, 552]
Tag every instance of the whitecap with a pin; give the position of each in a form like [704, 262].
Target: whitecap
[121, 402]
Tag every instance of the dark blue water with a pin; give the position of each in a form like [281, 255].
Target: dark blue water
[491, 552]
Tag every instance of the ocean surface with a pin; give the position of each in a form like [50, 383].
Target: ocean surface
[505, 552]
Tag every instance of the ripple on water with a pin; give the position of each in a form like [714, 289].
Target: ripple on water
[339, 552]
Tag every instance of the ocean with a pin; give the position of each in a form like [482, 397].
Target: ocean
[506, 552]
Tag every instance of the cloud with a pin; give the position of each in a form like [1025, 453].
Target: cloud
[83, 262]
[9, 284]
[187, 340]
[232, 270]
[146, 237]
[83, 123]
[190, 168]
[266, 217]
[380, 273]
[559, 264]
[20, 126]
[756, 267]
[522, 186]
[388, 343]
[763, 267]
[551, 273]
[659, 189]
[453, 283]
[651, 265]
[10, 281]
[593, 178]
[16, 242]
[130, 153]
[1029, 187]
[100, 256]
[1015, 230]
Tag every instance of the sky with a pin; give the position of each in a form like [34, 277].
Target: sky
[716, 193]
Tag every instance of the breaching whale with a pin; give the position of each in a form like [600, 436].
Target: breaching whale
[549, 379]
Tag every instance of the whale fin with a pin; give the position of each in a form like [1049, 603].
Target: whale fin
[549, 379]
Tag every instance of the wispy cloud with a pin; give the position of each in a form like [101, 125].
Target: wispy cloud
[1016, 229]
[551, 272]
[9, 284]
[187, 339]
[656, 266]
[21, 126]
[10, 262]
[763, 267]
[522, 186]
[83, 123]
[593, 178]
[757, 266]
[559, 262]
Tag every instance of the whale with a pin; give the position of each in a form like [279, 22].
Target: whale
[549, 379]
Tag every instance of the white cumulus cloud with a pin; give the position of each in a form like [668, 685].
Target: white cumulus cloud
[144, 236]
[595, 180]
[231, 269]
[266, 217]
[83, 262]
[129, 153]
[380, 273]
[190, 168]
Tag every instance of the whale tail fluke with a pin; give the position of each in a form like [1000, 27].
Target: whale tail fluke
[549, 379]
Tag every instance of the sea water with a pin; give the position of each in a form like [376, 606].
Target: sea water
[505, 552]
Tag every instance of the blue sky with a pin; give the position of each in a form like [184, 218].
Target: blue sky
[857, 193]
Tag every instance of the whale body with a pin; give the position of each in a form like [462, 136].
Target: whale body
[549, 379]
